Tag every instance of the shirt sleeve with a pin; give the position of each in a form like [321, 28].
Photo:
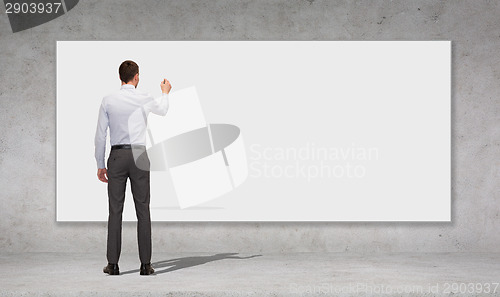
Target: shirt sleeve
[100, 136]
[159, 105]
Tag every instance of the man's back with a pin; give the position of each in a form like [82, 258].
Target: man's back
[126, 119]
[125, 112]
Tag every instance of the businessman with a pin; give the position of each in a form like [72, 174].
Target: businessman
[125, 113]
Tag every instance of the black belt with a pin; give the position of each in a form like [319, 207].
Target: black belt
[128, 146]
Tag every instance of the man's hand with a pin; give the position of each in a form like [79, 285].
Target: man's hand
[165, 86]
[102, 175]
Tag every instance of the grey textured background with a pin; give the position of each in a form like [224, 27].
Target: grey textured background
[28, 96]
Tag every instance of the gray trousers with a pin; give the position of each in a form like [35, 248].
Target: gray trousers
[121, 166]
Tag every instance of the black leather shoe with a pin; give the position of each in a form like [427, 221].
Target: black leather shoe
[111, 269]
[146, 269]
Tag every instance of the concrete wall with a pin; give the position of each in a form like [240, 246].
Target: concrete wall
[27, 120]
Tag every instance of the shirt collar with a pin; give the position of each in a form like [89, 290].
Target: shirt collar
[127, 86]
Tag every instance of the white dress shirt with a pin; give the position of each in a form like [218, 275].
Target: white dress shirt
[125, 113]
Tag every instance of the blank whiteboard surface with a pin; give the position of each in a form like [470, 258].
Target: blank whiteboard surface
[292, 130]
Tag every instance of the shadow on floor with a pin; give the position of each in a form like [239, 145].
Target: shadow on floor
[186, 262]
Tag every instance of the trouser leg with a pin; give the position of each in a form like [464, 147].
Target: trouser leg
[117, 182]
[140, 186]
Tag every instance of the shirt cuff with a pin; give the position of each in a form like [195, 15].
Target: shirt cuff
[100, 164]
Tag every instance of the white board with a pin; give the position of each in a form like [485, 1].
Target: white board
[330, 130]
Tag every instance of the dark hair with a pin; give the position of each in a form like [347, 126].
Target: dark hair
[128, 69]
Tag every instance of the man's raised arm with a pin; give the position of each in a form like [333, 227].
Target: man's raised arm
[160, 105]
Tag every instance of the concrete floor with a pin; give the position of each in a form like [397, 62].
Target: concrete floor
[232, 274]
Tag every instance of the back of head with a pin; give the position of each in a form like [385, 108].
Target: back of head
[128, 69]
